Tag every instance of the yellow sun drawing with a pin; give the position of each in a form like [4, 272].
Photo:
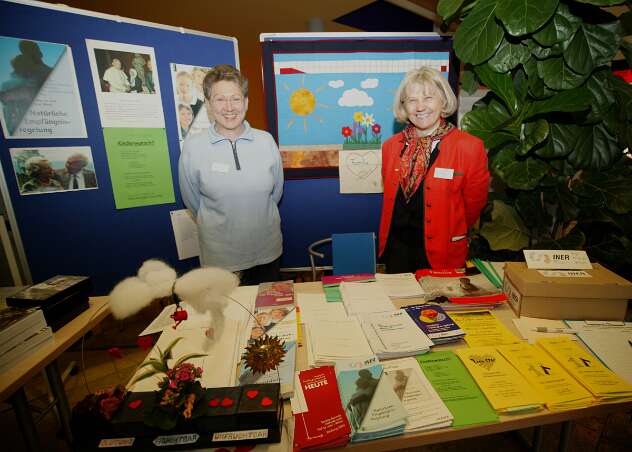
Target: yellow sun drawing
[303, 103]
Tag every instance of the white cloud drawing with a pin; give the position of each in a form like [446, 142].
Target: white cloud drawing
[369, 83]
[336, 83]
[355, 98]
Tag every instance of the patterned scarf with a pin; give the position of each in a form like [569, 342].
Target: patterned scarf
[415, 156]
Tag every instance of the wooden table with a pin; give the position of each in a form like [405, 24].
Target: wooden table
[12, 381]
[507, 422]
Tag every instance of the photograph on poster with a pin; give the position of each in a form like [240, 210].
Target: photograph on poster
[188, 95]
[39, 97]
[126, 84]
[53, 169]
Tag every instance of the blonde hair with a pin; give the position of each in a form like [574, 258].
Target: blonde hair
[426, 77]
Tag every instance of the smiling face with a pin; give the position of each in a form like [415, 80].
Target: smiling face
[186, 116]
[423, 105]
[229, 107]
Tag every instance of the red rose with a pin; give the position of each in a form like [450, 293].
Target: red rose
[108, 406]
[376, 128]
[346, 132]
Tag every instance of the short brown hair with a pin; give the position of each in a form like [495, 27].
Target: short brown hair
[225, 72]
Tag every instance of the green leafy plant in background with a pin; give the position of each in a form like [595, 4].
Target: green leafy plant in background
[556, 123]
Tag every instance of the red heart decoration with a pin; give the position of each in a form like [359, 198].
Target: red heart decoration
[266, 401]
[227, 402]
[213, 402]
[252, 393]
[145, 342]
[135, 404]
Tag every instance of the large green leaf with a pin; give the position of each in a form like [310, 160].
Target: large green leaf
[508, 56]
[542, 53]
[562, 140]
[605, 190]
[560, 27]
[626, 50]
[570, 100]
[601, 95]
[601, 2]
[529, 206]
[524, 174]
[448, 8]
[566, 202]
[469, 83]
[557, 75]
[484, 121]
[596, 148]
[610, 248]
[479, 35]
[574, 240]
[525, 16]
[537, 88]
[533, 133]
[500, 84]
[506, 230]
[592, 46]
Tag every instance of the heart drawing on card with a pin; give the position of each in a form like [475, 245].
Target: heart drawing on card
[361, 164]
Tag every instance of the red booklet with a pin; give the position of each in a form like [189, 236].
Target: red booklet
[324, 425]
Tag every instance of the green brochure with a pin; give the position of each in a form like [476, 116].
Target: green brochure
[457, 389]
[139, 166]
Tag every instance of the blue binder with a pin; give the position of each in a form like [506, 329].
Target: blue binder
[353, 253]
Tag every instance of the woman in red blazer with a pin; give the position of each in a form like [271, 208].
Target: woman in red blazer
[435, 179]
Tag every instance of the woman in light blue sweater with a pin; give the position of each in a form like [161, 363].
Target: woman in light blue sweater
[231, 179]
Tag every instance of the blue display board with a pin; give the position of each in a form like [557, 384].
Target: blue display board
[82, 233]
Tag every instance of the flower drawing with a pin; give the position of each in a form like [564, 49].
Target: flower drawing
[363, 131]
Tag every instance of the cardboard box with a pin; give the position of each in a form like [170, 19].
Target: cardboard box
[595, 294]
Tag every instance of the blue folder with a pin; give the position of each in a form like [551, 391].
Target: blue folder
[353, 253]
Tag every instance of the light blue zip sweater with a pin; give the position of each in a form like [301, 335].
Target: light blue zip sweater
[233, 190]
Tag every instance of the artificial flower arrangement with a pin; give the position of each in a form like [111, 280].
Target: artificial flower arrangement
[180, 396]
[364, 133]
[179, 390]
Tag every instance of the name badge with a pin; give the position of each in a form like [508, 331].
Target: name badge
[220, 167]
[444, 173]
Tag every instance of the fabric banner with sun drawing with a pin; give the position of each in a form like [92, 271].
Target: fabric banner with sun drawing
[341, 102]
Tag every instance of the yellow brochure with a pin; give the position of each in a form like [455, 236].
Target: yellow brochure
[506, 390]
[587, 369]
[482, 328]
[559, 389]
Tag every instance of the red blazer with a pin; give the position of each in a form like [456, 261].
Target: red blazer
[452, 205]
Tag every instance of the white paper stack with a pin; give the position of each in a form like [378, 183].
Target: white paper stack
[394, 334]
[315, 307]
[426, 410]
[22, 331]
[400, 285]
[362, 298]
[331, 341]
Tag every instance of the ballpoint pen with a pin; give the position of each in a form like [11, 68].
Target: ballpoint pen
[544, 329]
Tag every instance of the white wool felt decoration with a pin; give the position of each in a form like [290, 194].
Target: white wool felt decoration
[129, 296]
[153, 265]
[204, 288]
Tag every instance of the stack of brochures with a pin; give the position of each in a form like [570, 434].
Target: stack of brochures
[331, 284]
[457, 389]
[604, 384]
[559, 389]
[454, 290]
[331, 341]
[319, 419]
[400, 285]
[394, 334]
[506, 390]
[610, 341]
[361, 298]
[274, 316]
[370, 403]
[22, 332]
[435, 322]
[425, 409]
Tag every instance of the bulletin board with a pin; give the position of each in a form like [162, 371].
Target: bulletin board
[84, 232]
